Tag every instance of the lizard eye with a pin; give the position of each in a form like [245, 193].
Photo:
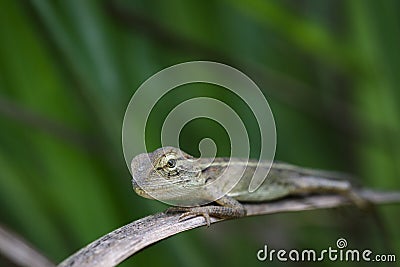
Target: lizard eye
[171, 163]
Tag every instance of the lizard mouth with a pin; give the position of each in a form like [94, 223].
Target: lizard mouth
[138, 190]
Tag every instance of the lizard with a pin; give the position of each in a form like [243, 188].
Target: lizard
[158, 174]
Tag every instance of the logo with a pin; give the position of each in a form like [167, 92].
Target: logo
[338, 253]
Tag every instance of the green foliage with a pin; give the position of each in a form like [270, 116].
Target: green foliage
[68, 69]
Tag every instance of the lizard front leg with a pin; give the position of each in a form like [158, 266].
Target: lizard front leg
[230, 208]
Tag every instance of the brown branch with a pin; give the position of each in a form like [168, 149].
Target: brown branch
[123, 242]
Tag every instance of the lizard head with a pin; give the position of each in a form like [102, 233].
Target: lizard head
[164, 173]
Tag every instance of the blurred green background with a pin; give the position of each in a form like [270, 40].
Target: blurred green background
[330, 71]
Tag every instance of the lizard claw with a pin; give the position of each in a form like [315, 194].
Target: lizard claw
[191, 214]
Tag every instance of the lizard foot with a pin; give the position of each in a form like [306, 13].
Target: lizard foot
[207, 211]
[190, 213]
[193, 213]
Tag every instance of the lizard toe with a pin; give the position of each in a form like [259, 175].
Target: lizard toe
[191, 214]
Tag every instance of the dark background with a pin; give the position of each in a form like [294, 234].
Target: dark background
[330, 71]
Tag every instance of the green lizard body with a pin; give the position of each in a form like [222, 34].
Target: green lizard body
[162, 173]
